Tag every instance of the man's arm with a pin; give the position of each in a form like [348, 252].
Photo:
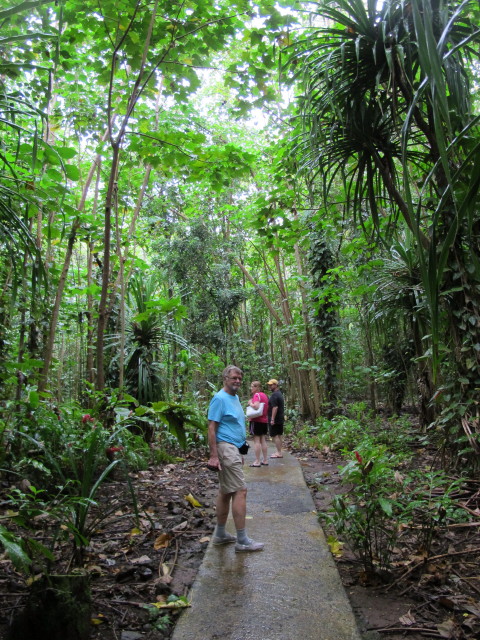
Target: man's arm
[212, 444]
[274, 413]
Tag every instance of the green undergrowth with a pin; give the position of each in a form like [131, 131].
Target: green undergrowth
[393, 497]
[57, 458]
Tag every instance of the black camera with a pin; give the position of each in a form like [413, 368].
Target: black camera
[244, 448]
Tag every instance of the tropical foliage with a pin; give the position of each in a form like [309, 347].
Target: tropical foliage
[390, 132]
[291, 187]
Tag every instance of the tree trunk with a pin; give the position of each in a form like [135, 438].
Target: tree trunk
[90, 347]
[48, 348]
[121, 283]
[112, 188]
[309, 346]
[300, 384]
[300, 377]
[102, 308]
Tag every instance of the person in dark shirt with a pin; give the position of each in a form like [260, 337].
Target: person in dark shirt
[276, 416]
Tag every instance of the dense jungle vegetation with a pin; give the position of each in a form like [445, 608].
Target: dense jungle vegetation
[291, 187]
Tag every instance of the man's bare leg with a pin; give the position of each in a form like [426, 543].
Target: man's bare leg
[239, 508]
[220, 536]
[239, 511]
[278, 446]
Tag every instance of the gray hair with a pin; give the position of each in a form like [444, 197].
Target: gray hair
[228, 370]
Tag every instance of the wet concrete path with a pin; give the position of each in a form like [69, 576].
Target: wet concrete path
[289, 590]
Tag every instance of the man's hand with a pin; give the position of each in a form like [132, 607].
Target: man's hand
[214, 464]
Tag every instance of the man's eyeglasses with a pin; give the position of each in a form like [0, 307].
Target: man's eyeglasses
[235, 378]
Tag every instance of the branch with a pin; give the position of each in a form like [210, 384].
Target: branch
[112, 70]
[22, 7]
[190, 66]
[423, 630]
[429, 559]
[267, 302]
[171, 144]
[206, 24]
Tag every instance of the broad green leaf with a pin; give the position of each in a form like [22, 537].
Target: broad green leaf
[72, 172]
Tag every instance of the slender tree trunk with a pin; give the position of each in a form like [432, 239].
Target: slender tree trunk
[113, 186]
[300, 377]
[370, 361]
[61, 357]
[48, 348]
[90, 347]
[267, 302]
[102, 308]
[47, 360]
[121, 282]
[23, 330]
[130, 233]
[309, 344]
[90, 363]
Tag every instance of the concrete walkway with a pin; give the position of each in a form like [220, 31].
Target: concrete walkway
[289, 590]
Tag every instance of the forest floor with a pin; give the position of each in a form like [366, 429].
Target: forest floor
[137, 564]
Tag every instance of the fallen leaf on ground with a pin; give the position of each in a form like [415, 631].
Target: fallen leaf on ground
[189, 498]
[162, 541]
[407, 620]
[446, 628]
[135, 531]
[336, 547]
[94, 568]
[141, 560]
[178, 604]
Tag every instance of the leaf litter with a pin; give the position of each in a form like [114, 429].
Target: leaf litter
[422, 596]
[142, 569]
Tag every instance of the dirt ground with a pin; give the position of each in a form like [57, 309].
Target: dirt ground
[138, 564]
[436, 597]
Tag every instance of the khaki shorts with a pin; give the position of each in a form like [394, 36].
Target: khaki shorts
[230, 478]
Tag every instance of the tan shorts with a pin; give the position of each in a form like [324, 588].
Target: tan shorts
[230, 478]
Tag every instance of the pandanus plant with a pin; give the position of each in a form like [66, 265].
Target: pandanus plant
[387, 121]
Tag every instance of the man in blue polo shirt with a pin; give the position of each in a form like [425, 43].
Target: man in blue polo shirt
[226, 433]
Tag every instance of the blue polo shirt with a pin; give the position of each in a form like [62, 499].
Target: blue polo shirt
[227, 411]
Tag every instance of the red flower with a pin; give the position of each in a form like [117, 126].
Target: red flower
[358, 457]
[111, 451]
[87, 418]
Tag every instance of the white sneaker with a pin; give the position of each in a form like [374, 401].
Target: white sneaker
[251, 546]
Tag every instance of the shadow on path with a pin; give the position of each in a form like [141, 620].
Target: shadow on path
[289, 590]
